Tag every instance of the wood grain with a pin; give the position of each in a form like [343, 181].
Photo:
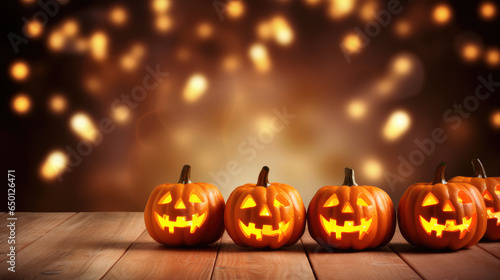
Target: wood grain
[84, 247]
[491, 247]
[380, 263]
[471, 263]
[247, 263]
[151, 260]
[29, 227]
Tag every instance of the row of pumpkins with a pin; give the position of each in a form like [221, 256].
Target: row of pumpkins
[438, 215]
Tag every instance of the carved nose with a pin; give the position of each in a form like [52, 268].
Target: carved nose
[179, 204]
[448, 207]
[347, 208]
[265, 211]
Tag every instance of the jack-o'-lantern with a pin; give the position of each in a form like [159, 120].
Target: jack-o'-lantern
[351, 216]
[265, 214]
[489, 187]
[185, 214]
[441, 215]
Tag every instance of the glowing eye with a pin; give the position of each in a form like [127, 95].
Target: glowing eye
[281, 201]
[195, 198]
[459, 199]
[248, 202]
[363, 201]
[430, 199]
[487, 195]
[463, 198]
[497, 189]
[332, 201]
[167, 198]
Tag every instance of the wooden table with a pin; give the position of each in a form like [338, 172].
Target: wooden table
[110, 245]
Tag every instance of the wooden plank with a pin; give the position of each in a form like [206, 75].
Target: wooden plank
[29, 227]
[147, 259]
[84, 247]
[380, 263]
[490, 247]
[234, 262]
[471, 263]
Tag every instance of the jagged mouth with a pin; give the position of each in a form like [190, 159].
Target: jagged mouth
[330, 226]
[180, 222]
[493, 215]
[449, 226]
[267, 230]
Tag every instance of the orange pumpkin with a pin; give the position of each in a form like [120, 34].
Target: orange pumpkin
[265, 214]
[489, 187]
[442, 215]
[185, 214]
[351, 216]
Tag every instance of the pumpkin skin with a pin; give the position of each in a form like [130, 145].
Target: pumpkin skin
[441, 215]
[351, 216]
[489, 187]
[185, 214]
[265, 214]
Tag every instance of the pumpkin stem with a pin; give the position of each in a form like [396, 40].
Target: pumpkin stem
[263, 181]
[185, 175]
[478, 168]
[349, 178]
[439, 177]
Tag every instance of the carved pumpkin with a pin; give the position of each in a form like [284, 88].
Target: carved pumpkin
[442, 215]
[489, 187]
[185, 214]
[265, 215]
[351, 216]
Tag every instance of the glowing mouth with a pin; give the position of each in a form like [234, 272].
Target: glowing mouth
[266, 230]
[493, 215]
[349, 227]
[180, 222]
[450, 225]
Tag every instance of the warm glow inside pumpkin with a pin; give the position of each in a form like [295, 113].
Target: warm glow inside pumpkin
[196, 220]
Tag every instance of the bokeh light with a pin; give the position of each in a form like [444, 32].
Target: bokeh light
[352, 43]
[204, 30]
[163, 23]
[441, 14]
[402, 65]
[19, 70]
[34, 29]
[372, 169]
[470, 52]
[340, 8]
[54, 165]
[118, 15]
[492, 57]
[84, 127]
[487, 10]
[402, 28]
[99, 45]
[368, 10]
[283, 33]
[121, 113]
[57, 103]
[56, 40]
[160, 6]
[70, 28]
[21, 103]
[195, 87]
[235, 9]
[356, 109]
[397, 124]
[495, 119]
[260, 58]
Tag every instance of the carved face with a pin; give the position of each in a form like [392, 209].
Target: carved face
[265, 218]
[489, 199]
[439, 213]
[181, 211]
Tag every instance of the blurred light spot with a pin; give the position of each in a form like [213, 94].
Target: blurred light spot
[34, 29]
[81, 44]
[356, 109]
[19, 70]
[118, 15]
[56, 40]
[470, 52]
[312, 2]
[121, 113]
[397, 124]
[265, 30]
[130, 60]
[352, 43]
[488, 10]
[57, 103]
[160, 6]
[235, 9]
[372, 169]
[260, 58]
[93, 84]
[402, 65]
[283, 33]
[98, 45]
[441, 13]
[495, 119]
[230, 63]
[402, 28]
[204, 30]
[493, 57]
[195, 87]
[340, 8]
[385, 86]
[54, 165]
[83, 126]
[70, 28]
[368, 10]
[163, 23]
[21, 103]
[28, 1]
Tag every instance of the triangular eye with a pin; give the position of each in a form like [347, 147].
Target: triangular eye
[248, 202]
[363, 200]
[167, 198]
[332, 201]
[430, 199]
[195, 198]
[487, 195]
